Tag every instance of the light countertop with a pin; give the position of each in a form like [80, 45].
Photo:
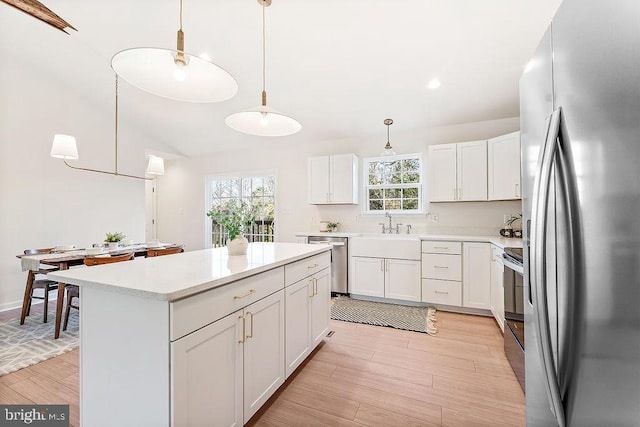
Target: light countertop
[173, 277]
[502, 242]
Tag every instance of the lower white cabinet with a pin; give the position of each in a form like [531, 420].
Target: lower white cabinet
[386, 278]
[239, 358]
[307, 305]
[476, 275]
[497, 285]
[207, 375]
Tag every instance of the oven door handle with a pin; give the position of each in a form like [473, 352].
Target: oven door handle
[539, 221]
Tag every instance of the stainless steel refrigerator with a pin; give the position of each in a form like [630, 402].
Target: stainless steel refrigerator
[580, 138]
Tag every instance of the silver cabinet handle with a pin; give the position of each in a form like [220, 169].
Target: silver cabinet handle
[460, 193]
[387, 267]
[440, 266]
[313, 266]
[251, 291]
[455, 193]
[446, 248]
[381, 265]
[442, 293]
[517, 190]
[315, 286]
[539, 219]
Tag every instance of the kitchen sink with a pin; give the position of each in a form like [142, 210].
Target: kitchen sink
[398, 246]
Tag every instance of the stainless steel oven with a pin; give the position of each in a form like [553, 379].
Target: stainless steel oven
[514, 345]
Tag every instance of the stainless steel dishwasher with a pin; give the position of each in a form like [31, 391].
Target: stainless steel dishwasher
[339, 261]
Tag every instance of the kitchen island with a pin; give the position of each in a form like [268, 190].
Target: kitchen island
[198, 338]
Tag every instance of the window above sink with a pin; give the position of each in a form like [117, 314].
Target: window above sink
[393, 184]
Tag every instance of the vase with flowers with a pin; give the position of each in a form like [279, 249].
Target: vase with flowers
[234, 216]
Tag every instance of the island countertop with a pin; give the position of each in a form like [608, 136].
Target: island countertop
[177, 276]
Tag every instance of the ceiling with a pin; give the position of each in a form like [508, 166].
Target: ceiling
[340, 67]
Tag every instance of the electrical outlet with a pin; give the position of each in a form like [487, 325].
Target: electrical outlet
[313, 219]
[434, 217]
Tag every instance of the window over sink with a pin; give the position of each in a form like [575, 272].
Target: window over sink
[393, 184]
[257, 190]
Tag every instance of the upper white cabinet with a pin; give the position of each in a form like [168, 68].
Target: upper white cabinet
[333, 179]
[458, 172]
[504, 167]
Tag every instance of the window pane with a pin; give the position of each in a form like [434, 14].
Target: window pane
[410, 204]
[392, 193]
[375, 205]
[411, 178]
[375, 194]
[393, 204]
[396, 166]
[409, 193]
[409, 165]
[246, 187]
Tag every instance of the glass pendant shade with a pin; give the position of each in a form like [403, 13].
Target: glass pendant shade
[155, 166]
[157, 71]
[64, 147]
[263, 121]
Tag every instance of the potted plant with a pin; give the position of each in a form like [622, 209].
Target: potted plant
[332, 226]
[234, 216]
[112, 239]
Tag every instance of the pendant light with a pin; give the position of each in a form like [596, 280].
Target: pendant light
[174, 74]
[64, 147]
[263, 120]
[388, 149]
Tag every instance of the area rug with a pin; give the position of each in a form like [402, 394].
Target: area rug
[419, 319]
[33, 342]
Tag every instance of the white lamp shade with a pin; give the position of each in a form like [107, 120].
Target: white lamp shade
[155, 71]
[263, 121]
[155, 166]
[64, 147]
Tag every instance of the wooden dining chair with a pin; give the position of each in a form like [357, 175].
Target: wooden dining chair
[33, 282]
[166, 251]
[74, 292]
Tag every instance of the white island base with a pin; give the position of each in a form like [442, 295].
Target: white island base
[199, 338]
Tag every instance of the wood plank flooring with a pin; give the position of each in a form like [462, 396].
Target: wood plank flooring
[363, 375]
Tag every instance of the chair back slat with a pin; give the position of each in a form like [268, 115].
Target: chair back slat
[89, 261]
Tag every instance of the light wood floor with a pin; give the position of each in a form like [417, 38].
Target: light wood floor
[363, 375]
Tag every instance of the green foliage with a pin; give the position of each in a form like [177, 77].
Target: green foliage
[512, 219]
[114, 237]
[234, 216]
[332, 226]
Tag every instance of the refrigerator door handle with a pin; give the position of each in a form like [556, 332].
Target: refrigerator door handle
[539, 219]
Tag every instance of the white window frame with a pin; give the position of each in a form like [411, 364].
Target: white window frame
[208, 232]
[366, 187]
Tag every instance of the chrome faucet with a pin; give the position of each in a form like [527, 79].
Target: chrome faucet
[390, 229]
[388, 215]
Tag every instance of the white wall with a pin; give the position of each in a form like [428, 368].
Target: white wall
[181, 191]
[42, 202]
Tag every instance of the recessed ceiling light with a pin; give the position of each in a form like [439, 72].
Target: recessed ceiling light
[434, 84]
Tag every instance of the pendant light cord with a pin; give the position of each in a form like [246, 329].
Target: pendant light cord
[264, 55]
[180, 15]
[116, 126]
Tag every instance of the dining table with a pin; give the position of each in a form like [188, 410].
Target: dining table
[63, 259]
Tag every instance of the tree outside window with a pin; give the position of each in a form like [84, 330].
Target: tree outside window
[393, 183]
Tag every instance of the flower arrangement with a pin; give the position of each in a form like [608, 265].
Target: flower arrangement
[114, 237]
[234, 216]
[332, 226]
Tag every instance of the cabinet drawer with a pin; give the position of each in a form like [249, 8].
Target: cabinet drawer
[298, 270]
[437, 247]
[197, 311]
[442, 292]
[445, 267]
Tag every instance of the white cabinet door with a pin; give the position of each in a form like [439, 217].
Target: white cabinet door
[298, 323]
[318, 180]
[476, 275]
[368, 276]
[402, 280]
[472, 170]
[343, 179]
[497, 290]
[263, 351]
[442, 172]
[504, 167]
[333, 179]
[206, 375]
[320, 306]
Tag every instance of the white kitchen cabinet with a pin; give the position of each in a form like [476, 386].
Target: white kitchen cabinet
[239, 358]
[458, 172]
[386, 278]
[476, 275]
[497, 285]
[503, 154]
[208, 375]
[333, 179]
[442, 273]
[307, 309]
